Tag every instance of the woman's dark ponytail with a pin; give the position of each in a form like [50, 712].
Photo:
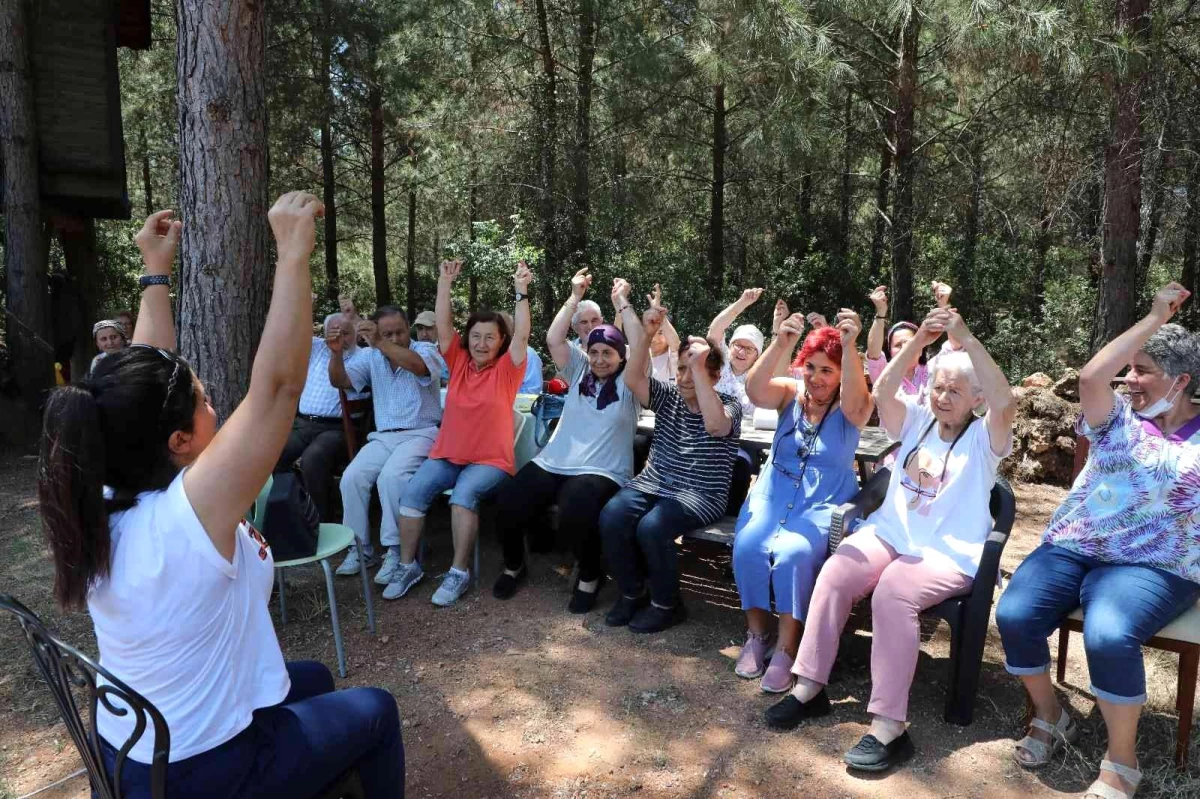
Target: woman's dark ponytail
[71, 493]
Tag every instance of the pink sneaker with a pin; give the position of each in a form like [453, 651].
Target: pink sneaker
[779, 679]
[753, 661]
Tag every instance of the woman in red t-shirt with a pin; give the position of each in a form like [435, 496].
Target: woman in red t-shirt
[474, 450]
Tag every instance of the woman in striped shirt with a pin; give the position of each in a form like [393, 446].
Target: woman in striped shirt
[686, 480]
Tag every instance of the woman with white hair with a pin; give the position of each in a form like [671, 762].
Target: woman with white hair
[1124, 544]
[740, 354]
[110, 336]
[924, 543]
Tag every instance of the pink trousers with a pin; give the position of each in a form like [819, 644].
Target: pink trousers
[903, 586]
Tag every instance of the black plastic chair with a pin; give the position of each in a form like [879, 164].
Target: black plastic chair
[66, 669]
[968, 615]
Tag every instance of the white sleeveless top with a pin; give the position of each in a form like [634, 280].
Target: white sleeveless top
[185, 628]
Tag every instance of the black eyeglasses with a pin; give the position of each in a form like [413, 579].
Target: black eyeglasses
[175, 362]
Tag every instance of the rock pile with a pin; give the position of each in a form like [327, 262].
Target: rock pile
[1044, 432]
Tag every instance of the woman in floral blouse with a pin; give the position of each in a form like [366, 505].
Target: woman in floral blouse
[1125, 543]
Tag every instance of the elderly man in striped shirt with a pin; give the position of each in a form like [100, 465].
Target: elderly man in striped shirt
[317, 443]
[403, 376]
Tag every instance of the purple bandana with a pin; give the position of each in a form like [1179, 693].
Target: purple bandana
[604, 334]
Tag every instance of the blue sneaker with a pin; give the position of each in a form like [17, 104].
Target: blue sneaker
[453, 587]
[404, 577]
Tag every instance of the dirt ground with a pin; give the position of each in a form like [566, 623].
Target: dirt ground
[522, 699]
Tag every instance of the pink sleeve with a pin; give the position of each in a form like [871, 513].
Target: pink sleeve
[875, 367]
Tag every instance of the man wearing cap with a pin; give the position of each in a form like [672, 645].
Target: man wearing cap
[741, 351]
[425, 329]
[110, 336]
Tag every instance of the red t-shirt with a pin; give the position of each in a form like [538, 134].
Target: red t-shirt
[477, 423]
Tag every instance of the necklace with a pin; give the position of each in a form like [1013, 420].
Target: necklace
[808, 439]
[917, 490]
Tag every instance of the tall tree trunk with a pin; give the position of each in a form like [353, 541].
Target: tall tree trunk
[1190, 275]
[581, 206]
[547, 143]
[845, 195]
[77, 236]
[147, 186]
[26, 292]
[1122, 184]
[225, 268]
[883, 185]
[903, 217]
[1039, 268]
[472, 218]
[379, 262]
[410, 284]
[716, 218]
[1158, 202]
[963, 289]
[327, 175]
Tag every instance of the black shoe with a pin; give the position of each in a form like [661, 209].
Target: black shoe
[506, 585]
[584, 601]
[787, 713]
[624, 610]
[654, 619]
[870, 755]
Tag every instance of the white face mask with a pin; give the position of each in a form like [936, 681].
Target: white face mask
[1162, 405]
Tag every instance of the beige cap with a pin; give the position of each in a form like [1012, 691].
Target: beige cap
[425, 319]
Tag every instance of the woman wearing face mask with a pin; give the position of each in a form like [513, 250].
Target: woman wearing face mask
[588, 459]
[924, 543]
[473, 453]
[1123, 544]
[782, 532]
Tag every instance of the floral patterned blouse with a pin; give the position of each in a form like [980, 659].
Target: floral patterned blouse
[1137, 499]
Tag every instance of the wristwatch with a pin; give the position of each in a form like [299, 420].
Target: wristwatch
[154, 280]
[521, 296]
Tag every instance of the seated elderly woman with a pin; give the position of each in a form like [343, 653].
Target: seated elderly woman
[782, 532]
[110, 336]
[474, 448]
[1123, 544]
[740, 354]
[924, 543]
[588, 459]
[686, 479]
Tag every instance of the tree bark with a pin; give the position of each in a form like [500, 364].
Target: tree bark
[716, 219]
[1158, 202]
[883, 185]
[225, 270]
[1116, 303]
[147, 186]
[547, 127]
[77, 236]
[581, 207]
[903, 210]
[379, 261]
[410, 286]
[845, 196]
[327, 174]
[25, 247]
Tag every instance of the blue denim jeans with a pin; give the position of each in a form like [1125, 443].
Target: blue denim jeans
[1124, 605]
[292, 749]
[637, 528]
[471, 483]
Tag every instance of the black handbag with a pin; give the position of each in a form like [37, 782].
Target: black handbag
[291, 523]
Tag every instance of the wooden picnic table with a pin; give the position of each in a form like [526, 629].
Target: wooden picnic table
[873, 445]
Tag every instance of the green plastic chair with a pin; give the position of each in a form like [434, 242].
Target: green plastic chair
[331, 539]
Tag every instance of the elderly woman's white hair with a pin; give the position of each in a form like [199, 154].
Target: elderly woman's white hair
[955, 362]
[585, 305]
[341, 317]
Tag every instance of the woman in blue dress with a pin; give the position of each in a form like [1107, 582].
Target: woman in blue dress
[782, 532]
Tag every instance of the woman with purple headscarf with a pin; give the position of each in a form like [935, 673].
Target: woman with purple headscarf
[588, 459]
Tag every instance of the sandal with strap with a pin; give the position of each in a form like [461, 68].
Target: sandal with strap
[1106, 791]
[1065, 730]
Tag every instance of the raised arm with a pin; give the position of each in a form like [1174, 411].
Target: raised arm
[875, 342]
[722, 321]
[855, 397]
[637, 375]
[443, 310]
[399, 357]
[518, 347]
[1095, 378]
[1002, 406]
[717, 421]
[941, 299]
[338, 376]
[158, 239]
[780, 314]
[560, 328]
[229, 473]
[891, 408]
[764, 386]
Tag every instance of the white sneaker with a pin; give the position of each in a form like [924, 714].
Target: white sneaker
[390, 561]
[453, 587]
[351, 564]
[404, 577]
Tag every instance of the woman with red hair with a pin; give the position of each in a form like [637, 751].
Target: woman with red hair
[782, 531]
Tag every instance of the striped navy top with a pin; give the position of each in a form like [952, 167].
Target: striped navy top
[686, 463]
